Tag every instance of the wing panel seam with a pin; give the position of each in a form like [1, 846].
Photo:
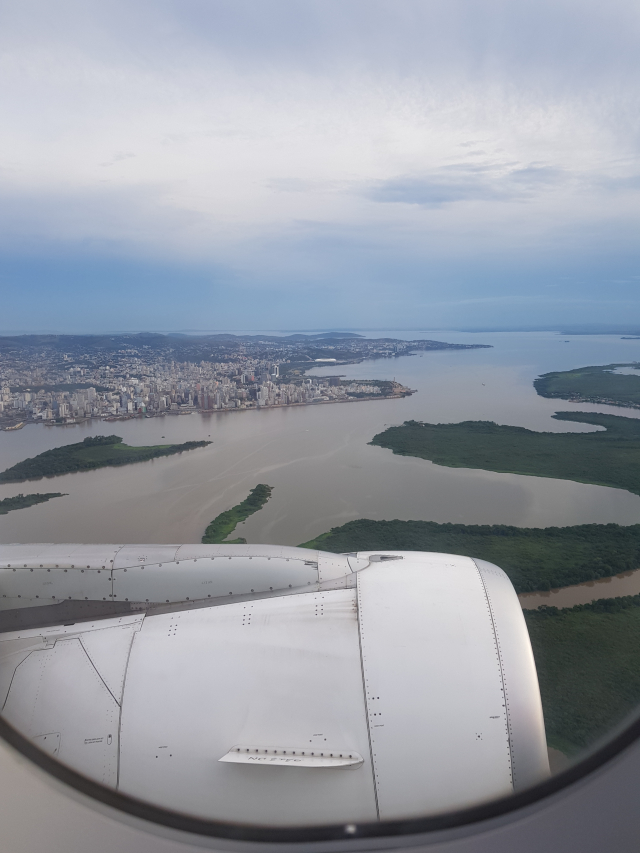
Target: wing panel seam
[364, 693]
[124, 686]
[503, 680]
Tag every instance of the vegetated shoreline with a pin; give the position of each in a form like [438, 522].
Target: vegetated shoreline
[594, 384]
[22, 501]
[588, 667]
[535, 559]
[94, 452]
[225, 523]
[609, 458]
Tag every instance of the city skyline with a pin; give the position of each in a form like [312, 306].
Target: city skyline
[70, 379]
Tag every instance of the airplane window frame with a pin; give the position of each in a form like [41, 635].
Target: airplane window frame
[626, 736]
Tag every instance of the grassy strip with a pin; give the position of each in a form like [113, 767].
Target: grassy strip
[588, 662]
[607, 458]
[97, 452]
[595, 384]
[22, 501]
[225, 523]
[534, 558]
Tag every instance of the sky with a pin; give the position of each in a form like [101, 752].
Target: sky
[287, 164]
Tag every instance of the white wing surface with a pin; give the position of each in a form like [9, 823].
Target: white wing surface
[268, 685]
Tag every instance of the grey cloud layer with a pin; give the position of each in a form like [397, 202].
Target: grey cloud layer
[380, 146]
[463, 183]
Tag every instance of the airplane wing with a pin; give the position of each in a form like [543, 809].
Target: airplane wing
[270, 685]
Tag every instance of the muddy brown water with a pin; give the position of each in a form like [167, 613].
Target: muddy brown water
[627, 583]
[318, 459]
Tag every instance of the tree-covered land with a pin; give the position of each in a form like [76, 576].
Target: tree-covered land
[94, 452]
[596, 384]
[607, 458]
[588, 662]
[387, 388]
[22, 501]
[534, 558]
[225, 523]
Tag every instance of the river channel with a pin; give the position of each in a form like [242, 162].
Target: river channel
[318, 459]
[627, 583]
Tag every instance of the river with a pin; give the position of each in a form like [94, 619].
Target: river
[318, 459]
[627, 583]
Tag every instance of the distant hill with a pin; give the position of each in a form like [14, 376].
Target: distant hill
[156, 339]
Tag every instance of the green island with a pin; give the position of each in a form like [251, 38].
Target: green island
[535, 559]
[596, 384]
[610, 457]
[94, 452]
[22, 501]
[588, 663]
[225, 523]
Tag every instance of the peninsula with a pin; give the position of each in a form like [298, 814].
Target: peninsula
[94, 452]
[225, 523]
[596, 384]
[610, 457]
[22, 501]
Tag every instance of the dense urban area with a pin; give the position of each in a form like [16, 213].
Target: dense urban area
[66, 378]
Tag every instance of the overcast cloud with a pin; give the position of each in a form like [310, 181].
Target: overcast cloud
[310, 164]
